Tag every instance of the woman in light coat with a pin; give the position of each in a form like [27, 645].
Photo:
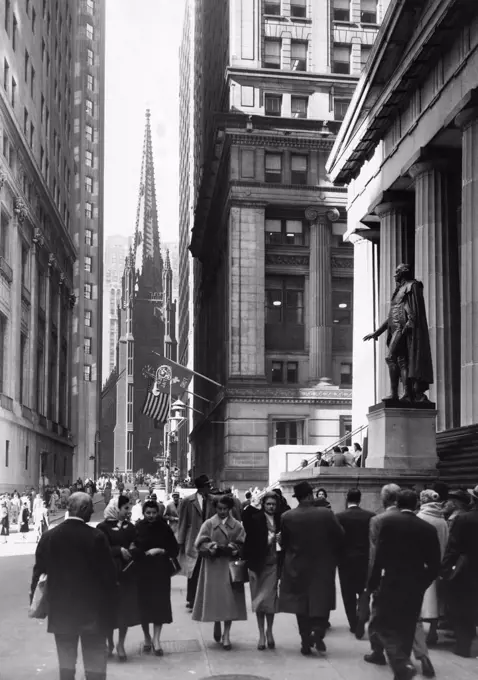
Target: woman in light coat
[219, 542]
[431, 511]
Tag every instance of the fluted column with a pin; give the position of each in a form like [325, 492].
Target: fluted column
[320, 294]
[58, 348]
[33, 324]
[468, 121]
[46, 395]
[13, 366]
[436, 265]
[396, 216]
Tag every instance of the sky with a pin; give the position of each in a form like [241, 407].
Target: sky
[142, 48]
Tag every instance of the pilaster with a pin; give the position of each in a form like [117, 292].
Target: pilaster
[436, 265]
[33, 323]
[468, 122]
[16, 307]
[58, 348]
[48, 284]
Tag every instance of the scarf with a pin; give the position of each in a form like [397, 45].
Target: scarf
[111, 512]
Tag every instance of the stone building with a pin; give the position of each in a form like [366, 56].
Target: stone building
[39, 240]
[272, 310]
[146, 324]
[407, 152]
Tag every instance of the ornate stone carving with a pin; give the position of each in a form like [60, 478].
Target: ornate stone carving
[38, 238]
[277, 258]
[3, 177]
[63, 279]
[52, 261]
[342, 262]
[312, 213]
[72, 300]
[20, 209]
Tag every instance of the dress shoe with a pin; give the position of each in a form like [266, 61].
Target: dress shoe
[359, 630]
[226, 645]
[408, 673]
[427, 668]
[271, 642]
[376, 658]
[305, 650]
[320, 646]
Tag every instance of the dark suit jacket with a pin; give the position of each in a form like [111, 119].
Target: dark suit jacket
[463, 543]
[356, 525]
[312, 542]
[81, 578]
[406, 562]
[257, 532]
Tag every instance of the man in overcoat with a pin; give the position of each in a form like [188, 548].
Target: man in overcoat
[312, 541]
[81, 589]
[406, 562]
[193, 512]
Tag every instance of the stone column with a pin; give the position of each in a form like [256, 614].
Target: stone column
[15, 261]
[71, 299]
[436, 264]
[320, 293]
[468, 121]
[33, 323]
[396, 215]
[48, 284]
[58, 347]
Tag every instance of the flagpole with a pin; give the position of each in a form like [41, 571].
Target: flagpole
[200, 375]
[198, 396]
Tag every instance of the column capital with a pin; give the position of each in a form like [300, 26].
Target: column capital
[314, 213]
[466, 117]
[390, 201]
[428, 159]
[3, 177]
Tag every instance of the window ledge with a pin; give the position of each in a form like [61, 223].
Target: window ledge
[349, 24]
[276, 17]
[302, 20]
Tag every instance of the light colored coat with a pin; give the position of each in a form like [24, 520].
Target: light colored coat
[216, 598]
[171, 515]
[432, 607]
[190, 521]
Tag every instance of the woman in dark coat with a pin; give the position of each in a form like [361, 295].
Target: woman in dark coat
[24, 527]
[261, 554]
[120, 534]
[154, 546]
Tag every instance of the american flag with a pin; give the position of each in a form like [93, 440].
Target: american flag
[156, 407]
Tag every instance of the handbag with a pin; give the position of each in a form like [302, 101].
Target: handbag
[39, 604]
[174, 566]
[238, 572]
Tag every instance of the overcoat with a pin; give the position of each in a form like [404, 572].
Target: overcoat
[312, 541]
[190, 521]
[433, 514]
[217, 599]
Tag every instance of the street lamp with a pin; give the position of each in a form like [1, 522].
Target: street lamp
[176, 417]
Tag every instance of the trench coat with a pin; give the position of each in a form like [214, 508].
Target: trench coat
[217, 599]
[312, 542]
[432, 607]
[190, 522]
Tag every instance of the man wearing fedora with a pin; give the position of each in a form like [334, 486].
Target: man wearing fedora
[193, 512]
[460, 571]
[458, 503]
[312, 542]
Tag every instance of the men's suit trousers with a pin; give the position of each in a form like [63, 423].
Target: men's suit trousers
[93, 647]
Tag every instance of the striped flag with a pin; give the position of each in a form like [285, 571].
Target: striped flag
[156, 407]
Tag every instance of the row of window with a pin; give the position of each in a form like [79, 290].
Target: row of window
[368, 11]
[341, 55]
[287, 372]
[298, 8]
[299, 106]
[299, 166]
[292, 431]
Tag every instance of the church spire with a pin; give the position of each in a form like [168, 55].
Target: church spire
[148, 260]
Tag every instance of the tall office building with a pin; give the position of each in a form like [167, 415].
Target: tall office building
[41, 197]
[272, 312]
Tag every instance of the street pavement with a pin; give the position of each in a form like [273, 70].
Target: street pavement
[27, 651]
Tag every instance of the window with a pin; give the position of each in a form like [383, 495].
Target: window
[7, 16]
[90, 6]
[4, 236]
[368, 11]
[27, 65]
[273, 104]
[298, 169]
[272, 7]
[89, 210]
[285, 372]
[277, 371]
[32, 134]
[32, 81]
[6, 75]
[364, 54]
[89, 107]
[27, 450]
[87, 346]
[298, 107]
[89, 184]
[273, 167]
[88, 237]
[340, 108]
[25, 266]
[341, 59]
[288, 432]
[25, 121]
[89, 132]
[285, 300]
[90, 82]
[47, 122]
[130, 357]
[284, 232]
[342, 307]
[89, 31]
[272, 53]
[292, 372]
[345, 375]
[7, 452]
[87, 373]
[27, 7]
[88, 318]
[298, 55]
[14, 92]
[14, 32]
[298, 8]
[3, 334]
[129, 451]
[90, 57]
[88, 263]
[88, 291]
[22, 386]
[34, 18]
[130, 403]
[89, 158]
[346, 429]
[341, 10]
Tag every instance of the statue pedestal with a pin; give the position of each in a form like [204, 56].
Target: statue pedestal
[402, 438]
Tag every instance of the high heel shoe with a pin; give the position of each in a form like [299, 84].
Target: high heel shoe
[261, 647]
[158, 651]
[147, 646]
[226, 646]
[271, 643]
[121, 655]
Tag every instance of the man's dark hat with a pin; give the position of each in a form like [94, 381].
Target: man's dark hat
[202, 481]
[460, 495]
[302, 490]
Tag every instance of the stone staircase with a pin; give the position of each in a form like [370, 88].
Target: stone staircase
[457, 451]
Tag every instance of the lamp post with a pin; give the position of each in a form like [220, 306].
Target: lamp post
[175, 419]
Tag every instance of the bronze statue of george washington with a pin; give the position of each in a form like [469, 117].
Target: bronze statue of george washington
[409, 357]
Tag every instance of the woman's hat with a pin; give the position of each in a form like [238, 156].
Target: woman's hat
[429, 496]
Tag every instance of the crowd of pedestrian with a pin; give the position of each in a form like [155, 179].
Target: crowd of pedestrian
[415, 563]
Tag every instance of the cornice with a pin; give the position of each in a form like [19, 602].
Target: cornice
[280, 139]
[288, 395]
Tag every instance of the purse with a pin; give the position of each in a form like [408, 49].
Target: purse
[238, 572]
[39, 604]
[174, 566]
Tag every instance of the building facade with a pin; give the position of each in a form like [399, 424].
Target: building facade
[146, 324]
[409, 168]
[116, 251]
[38, 244]
[272, 310]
